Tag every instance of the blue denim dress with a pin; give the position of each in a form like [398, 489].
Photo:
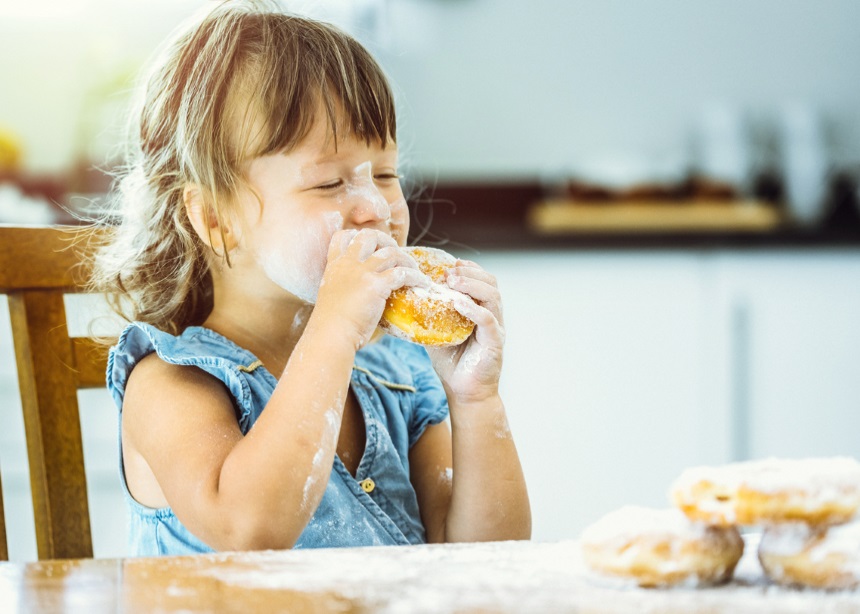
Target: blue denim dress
[399, 394]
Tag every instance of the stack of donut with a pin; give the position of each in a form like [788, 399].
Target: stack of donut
[805, 508]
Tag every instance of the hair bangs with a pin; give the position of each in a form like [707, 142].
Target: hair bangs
[338, 77]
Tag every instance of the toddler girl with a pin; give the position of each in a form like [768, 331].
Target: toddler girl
[256, 242]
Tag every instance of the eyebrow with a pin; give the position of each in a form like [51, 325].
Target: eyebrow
[326, 158]
[311, 166]
[330, 155]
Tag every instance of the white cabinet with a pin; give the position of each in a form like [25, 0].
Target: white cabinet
[602, 377]
[796, 352]
[624, 368]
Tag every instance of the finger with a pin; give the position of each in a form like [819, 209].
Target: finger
[399, 277]
[363, 244]
[382, 239]
[368, 240]
[489, 331]
[473, 271]
[389, 257]
[340, 241]
[385, 239]
[481, 287]
[478, 289]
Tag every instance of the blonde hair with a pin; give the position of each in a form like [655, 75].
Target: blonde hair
[245, 81]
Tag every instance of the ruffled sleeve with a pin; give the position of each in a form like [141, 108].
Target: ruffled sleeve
[194, 348]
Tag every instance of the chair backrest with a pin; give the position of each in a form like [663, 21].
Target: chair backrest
[38, 265]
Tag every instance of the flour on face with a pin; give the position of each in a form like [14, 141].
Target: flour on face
[296, 264]
[360, 188]
[296, 261]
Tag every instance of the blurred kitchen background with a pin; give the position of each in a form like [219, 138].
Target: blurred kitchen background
[667, 192]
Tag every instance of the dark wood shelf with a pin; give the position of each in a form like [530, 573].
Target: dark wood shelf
[496, 216]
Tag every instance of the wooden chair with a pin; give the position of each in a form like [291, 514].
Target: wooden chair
[38, 265]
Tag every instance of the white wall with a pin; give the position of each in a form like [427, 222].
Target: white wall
[511, 87]
[493, 88]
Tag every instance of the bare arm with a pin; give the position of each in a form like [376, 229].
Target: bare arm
[227, 488]
[471, 487]
[486, 498]
[259, 491]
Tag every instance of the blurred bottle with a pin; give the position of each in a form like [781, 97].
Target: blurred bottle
[628, 175]
[10, 151]
[721, 147]
[805, 161]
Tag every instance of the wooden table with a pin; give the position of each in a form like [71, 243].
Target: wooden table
[496, 577]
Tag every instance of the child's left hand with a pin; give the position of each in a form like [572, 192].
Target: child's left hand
[471, 370]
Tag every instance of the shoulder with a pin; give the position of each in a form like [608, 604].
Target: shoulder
[157, 388]
[152, 374]
[194, 345]
[158, 358]
[155, 383]
[153, 366]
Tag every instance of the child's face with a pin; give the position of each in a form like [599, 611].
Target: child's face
[310, 193]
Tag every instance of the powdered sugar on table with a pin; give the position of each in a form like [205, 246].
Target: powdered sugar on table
[504, 577]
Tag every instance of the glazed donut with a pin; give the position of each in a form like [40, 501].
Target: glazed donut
[661, 548]
[427, 315]
[816, 557]
[817, 491]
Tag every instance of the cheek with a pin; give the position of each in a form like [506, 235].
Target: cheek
[399, 221]
[330, 223]
[314, 240]
[296, 259]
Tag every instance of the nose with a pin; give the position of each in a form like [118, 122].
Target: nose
[368, 206]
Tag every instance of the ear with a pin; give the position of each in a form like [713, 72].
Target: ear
[217, 234]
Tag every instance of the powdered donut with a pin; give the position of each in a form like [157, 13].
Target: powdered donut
[658, 548]
[817, 557]
[815, 490]
[427, 315]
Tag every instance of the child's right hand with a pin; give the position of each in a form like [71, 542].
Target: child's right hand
[363, 268]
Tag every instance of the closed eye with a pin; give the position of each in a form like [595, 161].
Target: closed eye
[330, 186]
